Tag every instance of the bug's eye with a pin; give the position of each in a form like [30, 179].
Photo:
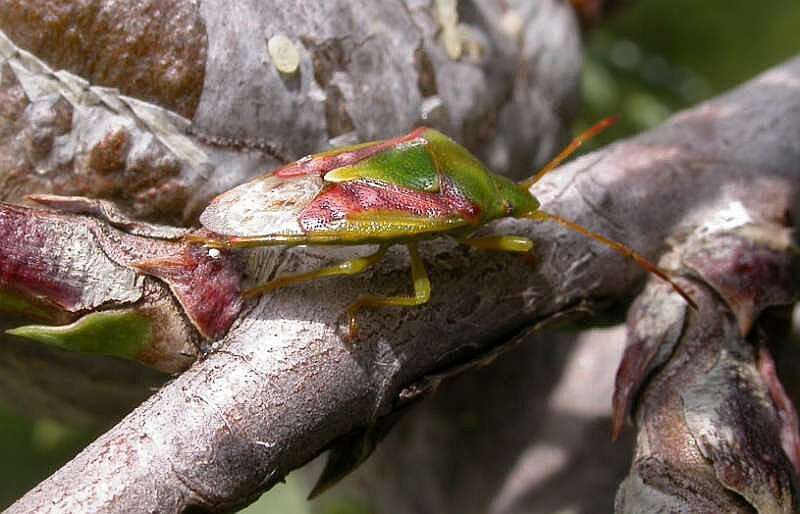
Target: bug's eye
[509, 207]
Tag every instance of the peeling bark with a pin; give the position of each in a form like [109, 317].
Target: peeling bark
[709, 433]
[154, 50]
[716, 430]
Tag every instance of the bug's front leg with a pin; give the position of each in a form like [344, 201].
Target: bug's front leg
[246, 242]
[422, 292]
[516, 244]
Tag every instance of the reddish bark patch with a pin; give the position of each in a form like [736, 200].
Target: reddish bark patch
[321, 164]
[364, 197]
[631, 373]
[591, 11]
[14, 164]
[117, 161]
[426, 73]
[208, 288]
[26, 264]
[337, 119]
[12, 101]
[787, 413]
[653, 333]
[153, 49]
[109, 155]
[748, 275]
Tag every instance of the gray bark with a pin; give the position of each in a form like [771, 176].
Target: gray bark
[528, 433]
[285, 385]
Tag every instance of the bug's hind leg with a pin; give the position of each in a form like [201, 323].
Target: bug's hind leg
[422, 292]
[516, 244]
[348, 267]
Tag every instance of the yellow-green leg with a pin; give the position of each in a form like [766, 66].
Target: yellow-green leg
[348, 267]
[501, 243]
[422, 292]
[250, 242]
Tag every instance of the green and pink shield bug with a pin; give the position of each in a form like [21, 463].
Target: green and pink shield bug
[399, 191]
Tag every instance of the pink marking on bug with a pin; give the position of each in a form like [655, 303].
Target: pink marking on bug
[321, 164]
[364, 196]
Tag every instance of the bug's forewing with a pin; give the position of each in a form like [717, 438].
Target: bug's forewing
[267, 205]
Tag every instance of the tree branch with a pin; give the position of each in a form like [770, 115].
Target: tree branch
[285, 384]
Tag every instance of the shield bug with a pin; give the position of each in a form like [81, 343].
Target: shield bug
[398, 191]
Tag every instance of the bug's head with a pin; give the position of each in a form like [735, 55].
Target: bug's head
[513, 199]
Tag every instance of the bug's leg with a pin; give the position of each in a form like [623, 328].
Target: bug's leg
[348, 267]
[246, 242]
[516, 244]
[197, 239]
[422, 292]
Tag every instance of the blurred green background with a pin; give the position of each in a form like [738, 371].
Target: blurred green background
[650, 58]
[646, 60]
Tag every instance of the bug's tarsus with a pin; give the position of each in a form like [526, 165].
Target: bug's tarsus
[422, 293]
[617, 247]
[569, 150]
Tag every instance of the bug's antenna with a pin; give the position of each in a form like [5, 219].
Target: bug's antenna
[569, 150]
[617, 247]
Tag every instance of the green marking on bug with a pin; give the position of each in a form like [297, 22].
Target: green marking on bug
[474, 180]
[119, 334]
[415, 187]
[409, 165]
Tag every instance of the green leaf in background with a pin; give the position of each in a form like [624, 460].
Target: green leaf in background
[116, 333]
[32, 450]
